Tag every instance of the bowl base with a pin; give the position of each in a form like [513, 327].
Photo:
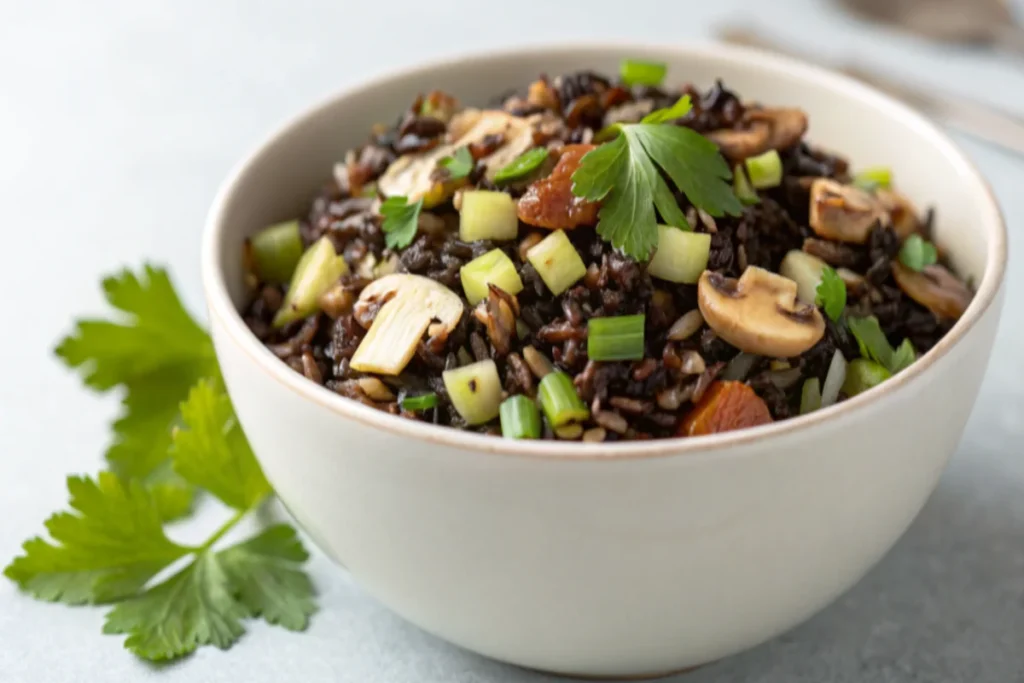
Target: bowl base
[625, 677]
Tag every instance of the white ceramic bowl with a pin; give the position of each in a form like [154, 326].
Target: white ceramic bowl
[624, 558]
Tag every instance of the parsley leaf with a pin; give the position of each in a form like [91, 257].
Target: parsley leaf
[624, 175]
[831, 293]
[400, 221]
[903, 357]
[211, 451]
[155, 351]
[678, 110]
[458, 165]
[107, 549]
[918, 253]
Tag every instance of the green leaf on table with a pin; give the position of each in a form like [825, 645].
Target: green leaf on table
[108, 548]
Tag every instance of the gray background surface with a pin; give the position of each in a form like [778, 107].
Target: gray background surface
[119, 119]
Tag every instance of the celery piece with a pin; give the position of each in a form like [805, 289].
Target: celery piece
[863, 374]
[557, 262]
[742, 187]
[765, 170]
[872, 178]
[681, 256]
[475, 391]
[810, 396]
[316, 271]
[276, 251]
[487, 215]
[639, 72]
[494, 267]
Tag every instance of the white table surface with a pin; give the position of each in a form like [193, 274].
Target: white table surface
[118, 120]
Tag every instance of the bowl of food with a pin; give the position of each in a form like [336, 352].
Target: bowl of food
[605, 360]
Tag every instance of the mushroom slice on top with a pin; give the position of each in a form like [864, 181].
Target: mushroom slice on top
[843, 212]
[935, 288]
[759, 313]
[409, 305]
[902, 212]
[765, 129]
[412, 175]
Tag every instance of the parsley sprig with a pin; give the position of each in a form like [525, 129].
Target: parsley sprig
[172, 440]
[831, 293]
[626, 176]
[401, 220]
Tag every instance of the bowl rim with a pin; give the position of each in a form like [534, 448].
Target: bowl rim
[220, 305]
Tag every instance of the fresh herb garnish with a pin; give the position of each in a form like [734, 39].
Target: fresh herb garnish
[400, 221]
[831, 293]
[459, 165]
[918, 253]
[678, 110]
[112, 543]
[638, 72]
[526, 163]
[903, 357]
[874, 345]
[624, 175]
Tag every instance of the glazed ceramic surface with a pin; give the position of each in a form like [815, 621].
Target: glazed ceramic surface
[609, 559]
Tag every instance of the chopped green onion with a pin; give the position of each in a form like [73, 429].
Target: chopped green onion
[810, 396]
[487, 215]
[872, 178]
[316, 271]
[638, 72]
[557, 262]
[616, 338]
[421, 402]
[494, 267]
[475, 391]
[681, 256]
[862, 374]
[745, 192]
[523, 165]
[276, 251]
[917, 253]
[765, 170]
[520, 418]
[558, 398]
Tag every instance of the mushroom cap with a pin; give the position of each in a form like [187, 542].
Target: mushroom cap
[902, 213]
[767, 128]
[759, 313]
[409, 305]
[935, 288]
[843, 212]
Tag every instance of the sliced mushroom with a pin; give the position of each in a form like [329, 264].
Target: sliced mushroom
[843, 212]
[408, 305]
[411, 175]
[902, 212]
[935, 288]
[759, 313]
[765, 129]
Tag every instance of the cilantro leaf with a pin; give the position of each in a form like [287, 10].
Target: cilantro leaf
[903, 357]
[205, 603]
[831, 293]
[624, 175]
[918, 253]
[211, 451]
[194, 607]
[108, 550]
[458, 165]
[871, 340]
[401, 220]
[265, 575]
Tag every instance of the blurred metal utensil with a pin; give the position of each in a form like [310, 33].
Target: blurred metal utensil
[977, 120]
[978, 22]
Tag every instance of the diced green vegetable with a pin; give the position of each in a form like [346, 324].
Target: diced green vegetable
[522, 166]
[558, 398]
[810, 396]
[903, 357]
[681, 256]
[875, 177]
[316, 271]
[745, 192]
[805, 270]
[639, 72]
[421, 402]
[616, 338]
[494, 267]
[917, 253]
[862, 374]
[475, 391]
[487, 215]
[871, 340]
[557, 262]
[276, 251]
[765, 170]
[520, 418]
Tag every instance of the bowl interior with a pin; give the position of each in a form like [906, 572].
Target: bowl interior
[278, 180]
